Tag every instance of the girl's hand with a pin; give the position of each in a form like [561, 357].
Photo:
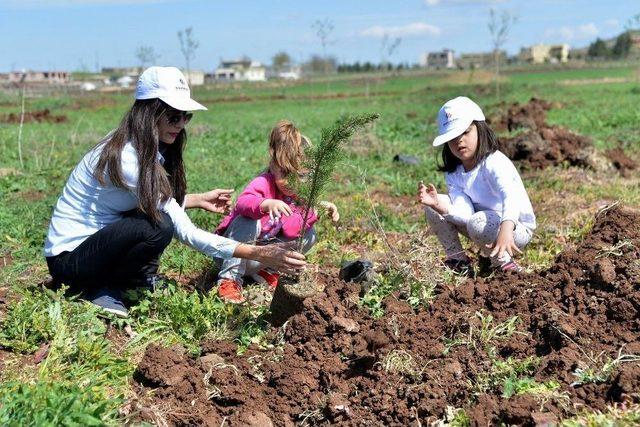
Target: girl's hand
[331, 209]
[505, 242]
[427, 195]
[276, 208]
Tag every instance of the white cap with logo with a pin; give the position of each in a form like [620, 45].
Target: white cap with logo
[169, 85]
[454, 118]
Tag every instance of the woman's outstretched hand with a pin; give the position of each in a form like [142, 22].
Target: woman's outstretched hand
[216, 201]
[281, 257]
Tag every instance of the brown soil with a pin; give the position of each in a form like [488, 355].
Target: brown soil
[332, 367]
[38, 116]
[541, 145]
[6, 260]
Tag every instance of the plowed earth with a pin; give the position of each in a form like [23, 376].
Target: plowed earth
[337, 365]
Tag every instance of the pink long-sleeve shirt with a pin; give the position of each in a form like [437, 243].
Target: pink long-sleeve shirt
[259, 189]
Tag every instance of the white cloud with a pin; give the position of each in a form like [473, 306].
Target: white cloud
[413, 29]
[573, 33]
[612, 23]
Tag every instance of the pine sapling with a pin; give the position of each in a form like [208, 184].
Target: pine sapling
[321, 160]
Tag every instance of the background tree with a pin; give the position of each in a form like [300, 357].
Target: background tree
[622, 47]
[598, 49]
[318, 64]
[146, 56]
[188, 46]
[323, 29]
[499, 28]
[387, 48]
[280, 61]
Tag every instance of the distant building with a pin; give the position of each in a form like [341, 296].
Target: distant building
[194, 77]
[480, 60]
[292, 73]
[52, 77]
[542, 53]
[240, 70]
[122, 71]
[438, 60]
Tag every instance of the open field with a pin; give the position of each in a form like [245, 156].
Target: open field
[418, 346]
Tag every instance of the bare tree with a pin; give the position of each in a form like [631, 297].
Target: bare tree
[323, 29]
[499, 27]
[633, 25]
[387, 48]
[281, 60]
[188, 46]
[146, 56]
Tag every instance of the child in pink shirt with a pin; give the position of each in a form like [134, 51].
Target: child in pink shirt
[267, 211]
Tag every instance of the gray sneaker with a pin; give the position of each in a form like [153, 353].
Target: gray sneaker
[109, 301]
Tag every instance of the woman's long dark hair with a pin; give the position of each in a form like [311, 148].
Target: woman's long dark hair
[487, 143]
[156, 182]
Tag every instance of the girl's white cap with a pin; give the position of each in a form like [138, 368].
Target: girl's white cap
[168, 84]
[454, 118]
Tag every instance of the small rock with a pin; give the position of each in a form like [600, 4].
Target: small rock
[376, 339]
[544, 419]
[405, 159]
[208, 361]
[454, 368]
[604, 272]
[254, 419]
[356, 271]
[349, 325]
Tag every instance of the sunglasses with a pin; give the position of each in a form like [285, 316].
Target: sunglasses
[174, 117]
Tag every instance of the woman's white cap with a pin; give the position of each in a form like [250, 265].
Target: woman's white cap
[454, 118]
[168, 84]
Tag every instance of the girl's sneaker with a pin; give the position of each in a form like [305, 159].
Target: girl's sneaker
[462, 267]
[230, 291]
[264, 276]
[511, 266]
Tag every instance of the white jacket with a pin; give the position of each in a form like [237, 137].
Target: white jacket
[494, 184]
[86, 206]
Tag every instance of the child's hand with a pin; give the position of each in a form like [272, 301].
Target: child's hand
[331, 210]
[505, 242]
[427, 195]
[276, 208]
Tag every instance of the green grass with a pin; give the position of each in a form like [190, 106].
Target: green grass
[87, 376]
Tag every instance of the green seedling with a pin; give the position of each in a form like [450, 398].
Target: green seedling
[589, 374]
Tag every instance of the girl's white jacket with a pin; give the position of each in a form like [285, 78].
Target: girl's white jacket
[494, 184]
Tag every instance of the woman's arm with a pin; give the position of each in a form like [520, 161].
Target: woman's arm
[216, 201]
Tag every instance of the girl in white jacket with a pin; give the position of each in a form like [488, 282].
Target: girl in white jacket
[486, 199]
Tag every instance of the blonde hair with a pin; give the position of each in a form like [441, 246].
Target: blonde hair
[286, 147]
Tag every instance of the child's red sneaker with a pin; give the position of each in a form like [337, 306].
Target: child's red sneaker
[263, 276]
[230, 291]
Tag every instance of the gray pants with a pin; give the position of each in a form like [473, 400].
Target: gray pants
[247, 230]
[482, 228]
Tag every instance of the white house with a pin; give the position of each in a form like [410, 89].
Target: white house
[240, 70]
[440, 59]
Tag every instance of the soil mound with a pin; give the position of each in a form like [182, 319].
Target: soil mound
[38, 116]
[541, 145]
[337, 365]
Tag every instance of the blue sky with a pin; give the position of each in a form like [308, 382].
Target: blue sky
[72, 34]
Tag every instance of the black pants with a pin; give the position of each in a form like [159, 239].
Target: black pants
[118, 256]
